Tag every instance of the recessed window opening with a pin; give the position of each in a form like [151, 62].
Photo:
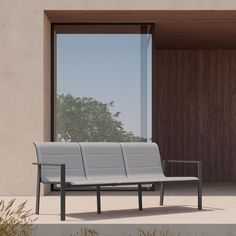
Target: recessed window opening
[102, 82]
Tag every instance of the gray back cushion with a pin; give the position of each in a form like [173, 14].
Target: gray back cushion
[103, 160]
[60, 153]
[142, 159]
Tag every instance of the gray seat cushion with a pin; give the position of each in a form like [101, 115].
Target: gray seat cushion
[178, 179]
[93, 182]
[138, 180]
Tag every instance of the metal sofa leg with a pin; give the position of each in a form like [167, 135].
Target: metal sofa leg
[98, 200]
[162, 194]
[63, 193]
[199, 195]
[199, 186]
[140, 204]
[38, 190]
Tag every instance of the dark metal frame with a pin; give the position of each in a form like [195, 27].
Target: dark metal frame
[199, 175]
[64, 184]
[104, 189]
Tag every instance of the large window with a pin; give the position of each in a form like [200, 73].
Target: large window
[102, 82]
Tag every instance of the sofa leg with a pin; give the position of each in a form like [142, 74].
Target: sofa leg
[199, 170]
[200, 195]
[140, 204]
[63, 193]
[38, 190]
[98, 200]
[162, 194]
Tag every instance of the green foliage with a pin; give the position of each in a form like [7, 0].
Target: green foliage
[15, 220]
[86, 119]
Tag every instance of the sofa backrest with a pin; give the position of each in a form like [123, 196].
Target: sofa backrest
[60, 153]
[142, 159]
[93, 160]
[103, 160]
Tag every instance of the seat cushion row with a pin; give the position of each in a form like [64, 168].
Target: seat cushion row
[103, 163]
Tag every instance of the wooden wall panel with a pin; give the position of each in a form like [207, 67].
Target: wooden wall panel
[175, 28]
[196, 110]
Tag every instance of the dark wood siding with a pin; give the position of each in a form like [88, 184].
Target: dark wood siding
[196, 110]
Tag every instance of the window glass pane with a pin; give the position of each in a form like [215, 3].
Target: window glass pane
[103, 87]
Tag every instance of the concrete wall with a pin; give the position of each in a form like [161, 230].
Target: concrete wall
[25, 73]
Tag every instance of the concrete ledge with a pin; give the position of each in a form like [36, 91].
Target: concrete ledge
[133, 229]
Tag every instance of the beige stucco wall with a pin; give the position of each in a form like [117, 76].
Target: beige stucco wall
[25, 73]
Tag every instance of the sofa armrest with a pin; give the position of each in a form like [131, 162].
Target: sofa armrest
[62, 170]
[62, 182]
[46, 164]
[199, 165]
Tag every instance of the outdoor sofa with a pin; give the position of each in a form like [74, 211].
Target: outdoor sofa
[105, 164]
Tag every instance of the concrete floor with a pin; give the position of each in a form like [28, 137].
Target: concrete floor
[180, 206]
[120, 208]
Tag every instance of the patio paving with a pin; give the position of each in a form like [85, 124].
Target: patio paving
[120, 216]
[180, 206]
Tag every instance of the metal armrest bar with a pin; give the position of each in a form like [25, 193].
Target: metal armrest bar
[199, 165]
[182, 161]
[46, 164]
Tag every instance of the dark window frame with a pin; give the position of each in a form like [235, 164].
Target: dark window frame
[54, 87]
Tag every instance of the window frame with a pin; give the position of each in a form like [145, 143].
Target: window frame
[54, 68]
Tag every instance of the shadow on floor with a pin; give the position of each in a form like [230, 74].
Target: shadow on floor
[132, 213]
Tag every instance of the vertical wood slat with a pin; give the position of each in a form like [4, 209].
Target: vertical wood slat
[196, 113]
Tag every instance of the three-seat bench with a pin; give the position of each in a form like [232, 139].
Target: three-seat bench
[104, 164]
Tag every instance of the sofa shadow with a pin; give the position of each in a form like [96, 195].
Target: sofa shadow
[133, 213]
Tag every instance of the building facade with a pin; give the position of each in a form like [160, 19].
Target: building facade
[210, 127]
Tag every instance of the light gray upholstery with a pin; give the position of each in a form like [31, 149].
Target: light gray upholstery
[143, 164]
[177, 179]
[60, 153]
[103, 161]
[142, 160]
